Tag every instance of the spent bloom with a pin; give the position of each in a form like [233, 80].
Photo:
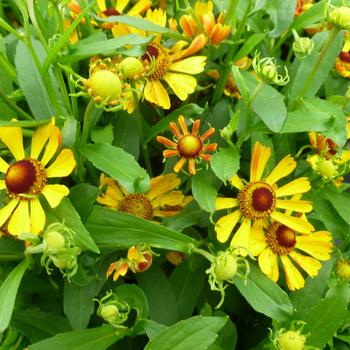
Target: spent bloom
[188, 145]
[26, 178]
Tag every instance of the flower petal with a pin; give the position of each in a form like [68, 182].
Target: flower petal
[19, 222]
[140, 7]
[171, 199]
[54, 194]
[63, 165]
[181, 84]
[37, 216]
[293, 277]
[225, 203]
[155, 93]
[2, 184]
[260, 156]
[318, 244]
[12, 137]
[3, 166]
[225, 225]
[308, 264]
[296, 224]
[294, 205]
[190, 65]
[163, 184]
[52, 145]
[268, 264]
[237, 182]
[300, 185]
[257, 241]
[282, 169]
[241, 238]
[40, 138]
[7, 210]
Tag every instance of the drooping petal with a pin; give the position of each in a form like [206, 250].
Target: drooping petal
[294, 205]
[300, 185]
[37, 216]
[155, 93]
[12, 137]
[190, 65]
[181, 84]
[260, 156]
[225, 225]
[52, 145]
[7, 210]
[296, 224]
[3, 166]
[19, 222]
[293, 277]
[54, 194]
[179, 165]
[63, 164]
[281, 170]
[268, 264]
[226, 203]
[308, 264]
[163, 184]
[242, 237]
[319, 244]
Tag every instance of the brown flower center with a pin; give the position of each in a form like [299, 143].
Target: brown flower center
[111, 12]
[345, 56]
[257, 200]
[158, 61]
[189, 146]
[26, 176]
[281, 239]
[138, 205]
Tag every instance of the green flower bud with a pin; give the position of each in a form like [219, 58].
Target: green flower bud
[131, 68]
[225, 266]
[343, 269]
[53, 242]
[340, 17]
[303, 47]
[108, 312]
[291, 340]
[327, 168]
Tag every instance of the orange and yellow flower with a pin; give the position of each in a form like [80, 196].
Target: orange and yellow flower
[259, 199]
[189, 146]
[160, 201]
[26, 179]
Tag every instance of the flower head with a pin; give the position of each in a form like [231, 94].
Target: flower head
[189, 146]
[343, 269]
[160, 201]
[340, 17]
[259, 200]
[27, 178]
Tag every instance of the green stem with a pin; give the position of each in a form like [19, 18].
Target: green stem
[62, 86]
[9, 29]
[230, 17]
[204, 253]
[13, 106]
[8, 68]
[31, 11]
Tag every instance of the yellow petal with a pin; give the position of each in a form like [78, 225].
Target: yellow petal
[156, 16]
[40, 138]
[181, 84]
[101, 4]
[51, 146]
[163, 184]
[319, 244]
[37, 216]
[155, 93]
[237, 182]
[3, 166]
[225, 225]
[310, 265]
[170, 199]
[2, 184]
[140, 7]
[120, 5]
[241, 238]
[226, 203]
[298, 205]
[282, 169]
[63, 165]
[54, 194]
[260, 157]
[300, 185]
[293, 277]
[12, 137]
[268, 264]
[7, 210]
[296, 224]
[257, 241]
[19, 222]
[191, 65]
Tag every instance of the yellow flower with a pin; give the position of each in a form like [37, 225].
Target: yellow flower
[189, 146]
[259, 199]
[160, 201]
[27, 178]
[283, 243]
[342, 64]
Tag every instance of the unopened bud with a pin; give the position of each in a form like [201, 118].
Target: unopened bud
[340, 17]
[131, 67]
[225, 266]
[303, 47]
[53, 242]
[343, 269]
[327, 168]
[291, 340]
[108, 312]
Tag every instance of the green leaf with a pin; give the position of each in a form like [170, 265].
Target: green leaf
[113, 229]
[203, 192]
[314, 14]
[197, 332]
[225, 163]
[66, 213]
[327, 316]
[227, 337]
[160, 296]
[249, 45]
[264, 295]
[8, 292]
[11, 249]
[340, 202]
[90, 339]
[118, 164]
[103, 135]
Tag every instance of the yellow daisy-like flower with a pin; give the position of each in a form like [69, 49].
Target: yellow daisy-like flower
[289, 246]
[26, 179]
[189, 146]
[342, 64]
[259, 199]
[160, 201]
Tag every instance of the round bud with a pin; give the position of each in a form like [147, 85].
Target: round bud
[131, 67]
[108, 312]
[269, 71]
[303, 47]
[291, 340]
[343, 269]
[53, 242]
[61, 262]
[340, 17]
[225, 266]
[327, 169]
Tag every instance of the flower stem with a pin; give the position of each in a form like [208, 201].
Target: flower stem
[204, 253]
[13, 106]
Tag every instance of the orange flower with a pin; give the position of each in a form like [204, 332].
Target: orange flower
[189, 146]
